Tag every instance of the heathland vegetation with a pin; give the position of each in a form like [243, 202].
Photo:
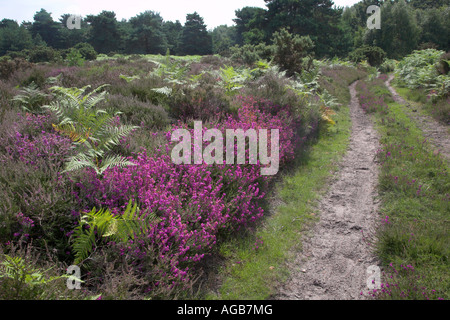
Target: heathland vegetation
[87, 177]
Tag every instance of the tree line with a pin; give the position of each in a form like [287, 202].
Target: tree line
[335, 31]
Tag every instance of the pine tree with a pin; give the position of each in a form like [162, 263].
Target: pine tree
[195, 39]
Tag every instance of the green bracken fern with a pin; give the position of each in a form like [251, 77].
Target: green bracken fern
[21, 280]
[93, 131]
[96, 225]
[30, 98]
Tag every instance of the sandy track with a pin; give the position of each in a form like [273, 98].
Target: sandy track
[334, 261]
[435, 132]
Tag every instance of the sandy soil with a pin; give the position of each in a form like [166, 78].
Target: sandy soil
[435, 132]
[335, 258]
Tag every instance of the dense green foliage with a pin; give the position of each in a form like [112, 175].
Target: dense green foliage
[424, 77]
[335, 31]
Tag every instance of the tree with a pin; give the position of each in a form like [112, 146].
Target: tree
[433, 29]
[70, 37]
[104, 34]
[195, 39]
[13, 37]
[354, 21]
[316, 18]
[427, 4]
[173, 31]
[250, 25]
[223, 38]
[399, 33]
[147, 35]
[44, 26]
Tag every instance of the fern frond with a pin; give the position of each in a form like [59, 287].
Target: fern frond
[114, 161]
[93, 131]
[107, 225]
[111, 135]
[164, 90]
[79, 161]
[30, 98]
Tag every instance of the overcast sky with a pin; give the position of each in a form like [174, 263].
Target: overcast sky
[214, 12]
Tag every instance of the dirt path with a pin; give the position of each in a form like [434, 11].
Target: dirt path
[333, 264]
[435, 132]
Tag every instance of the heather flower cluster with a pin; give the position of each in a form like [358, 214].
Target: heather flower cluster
[194, 203]
[369, 101]
[46, 148]
[40, 147]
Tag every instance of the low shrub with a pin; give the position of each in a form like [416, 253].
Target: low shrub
[204, 102]
[43, 54]
[31, 157]
[388, 66]
[375, 56]
[135, 112]
[8, 66]
[74, 58]
[443, 66]
[250, 54]
[86, 50]
[36, 75]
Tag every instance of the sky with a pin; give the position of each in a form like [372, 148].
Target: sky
[214, 12]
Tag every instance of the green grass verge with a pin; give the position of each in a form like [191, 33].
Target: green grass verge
[413, 243]
[417, 98]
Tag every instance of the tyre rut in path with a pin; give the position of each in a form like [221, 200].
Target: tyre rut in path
[433, 130]
[334, 261]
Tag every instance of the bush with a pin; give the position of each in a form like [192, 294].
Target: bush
[249, 54]
[388, 66]
[32, 156]
[197, 204]
[443, 66]
[8, 66]
[43, 54]
[138, 113]
[205, 102]
[17, 54]
[36, 75]
[74, 58]
[375, 56]
[87, 51]
[7, 92]
[291, 52]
